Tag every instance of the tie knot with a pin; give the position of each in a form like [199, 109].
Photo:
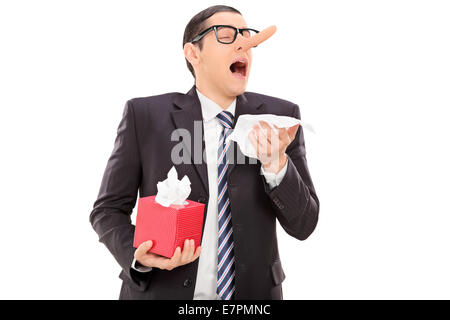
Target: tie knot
[226, 119]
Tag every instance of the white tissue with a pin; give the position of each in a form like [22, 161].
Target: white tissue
[246, 122]
[172, 190]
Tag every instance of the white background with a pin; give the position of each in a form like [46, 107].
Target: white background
[373, 77]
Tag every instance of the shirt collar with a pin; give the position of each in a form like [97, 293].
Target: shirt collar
[210, 109]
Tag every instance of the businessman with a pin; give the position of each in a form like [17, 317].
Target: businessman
[238, 257]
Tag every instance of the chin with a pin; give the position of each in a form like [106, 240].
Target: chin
[238, 90]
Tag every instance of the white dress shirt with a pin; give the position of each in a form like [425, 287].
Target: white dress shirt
[206, 284]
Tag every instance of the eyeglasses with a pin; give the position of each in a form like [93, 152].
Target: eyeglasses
[226, 34]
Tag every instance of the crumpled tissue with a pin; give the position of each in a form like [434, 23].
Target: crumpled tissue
[173, 191]
[246, 122]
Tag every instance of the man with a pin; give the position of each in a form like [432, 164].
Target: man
[238, 257]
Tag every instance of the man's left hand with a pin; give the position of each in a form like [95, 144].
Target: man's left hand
[270, 144]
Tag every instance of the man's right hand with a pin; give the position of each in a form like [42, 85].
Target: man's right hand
[179, 258]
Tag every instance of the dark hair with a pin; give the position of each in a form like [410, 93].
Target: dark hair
[198, 24]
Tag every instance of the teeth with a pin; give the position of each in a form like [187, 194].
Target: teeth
[241, 61]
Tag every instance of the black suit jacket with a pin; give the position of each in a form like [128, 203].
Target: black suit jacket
[142, 156]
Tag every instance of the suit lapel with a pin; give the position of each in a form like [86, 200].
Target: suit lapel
[189, 110]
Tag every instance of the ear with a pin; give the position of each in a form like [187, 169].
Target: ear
[191, 53]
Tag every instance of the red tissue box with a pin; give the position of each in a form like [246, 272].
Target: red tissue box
[168, 227]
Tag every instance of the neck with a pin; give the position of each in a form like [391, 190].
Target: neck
[213, 94]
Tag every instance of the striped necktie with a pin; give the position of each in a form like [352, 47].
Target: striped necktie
[225, 267]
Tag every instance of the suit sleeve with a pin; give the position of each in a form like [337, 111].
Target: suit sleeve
[111, 214]
[294, 200]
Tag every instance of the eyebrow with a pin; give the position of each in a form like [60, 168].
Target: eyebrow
[226, 25]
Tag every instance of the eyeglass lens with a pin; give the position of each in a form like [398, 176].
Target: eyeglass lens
[226, 34]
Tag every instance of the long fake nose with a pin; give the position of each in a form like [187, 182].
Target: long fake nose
[243, 44]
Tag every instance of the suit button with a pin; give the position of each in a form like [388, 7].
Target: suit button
[201, 200]
[187, 283]
[278, 203]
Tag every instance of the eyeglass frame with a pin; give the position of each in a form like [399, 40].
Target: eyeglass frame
[199, 36]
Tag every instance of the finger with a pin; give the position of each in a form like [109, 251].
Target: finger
[259, 143]
[185, 253]
[271, 134]
[192, 251]
[264, 143]
[175, 260]
[263, 130]
[252, 138]
[266, 126]
[197, 253]
[284, 138]
[263, 147]
[275, 129]
[255, 129]
[156, 261]
[292, 131]
[143, 248]
[267, 130]
[263, 150]
[189, 251]
[272, 148]
[255, 142]
[282, 133]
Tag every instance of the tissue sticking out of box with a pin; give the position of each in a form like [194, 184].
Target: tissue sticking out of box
[172, 190]
[246, 122]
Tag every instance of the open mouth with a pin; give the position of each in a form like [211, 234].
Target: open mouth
[239, 68]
